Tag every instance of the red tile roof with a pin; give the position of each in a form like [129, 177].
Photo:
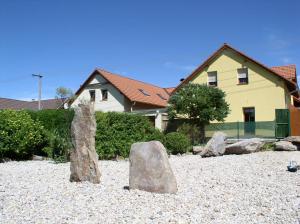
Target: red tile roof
[134, 90]
[169, 90]
[13, 104]
[287, 71]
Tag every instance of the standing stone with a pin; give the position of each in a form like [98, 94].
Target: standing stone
[215, 146]
[150, 169]
[84, 159]
[285, 146]
[245, 146]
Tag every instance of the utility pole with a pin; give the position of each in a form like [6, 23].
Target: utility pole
[40, 88]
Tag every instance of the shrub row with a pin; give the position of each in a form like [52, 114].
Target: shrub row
[47, 132]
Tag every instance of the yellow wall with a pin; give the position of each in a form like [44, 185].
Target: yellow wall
[264, 91]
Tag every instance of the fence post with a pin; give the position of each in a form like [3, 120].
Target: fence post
[238, 130]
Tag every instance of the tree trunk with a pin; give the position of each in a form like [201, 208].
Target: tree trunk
[202, 133]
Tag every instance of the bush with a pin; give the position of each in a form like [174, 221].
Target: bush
[176, 142]
[191, 131]
[58, 137]
[116, 132]
[59, 120]
[20, 136]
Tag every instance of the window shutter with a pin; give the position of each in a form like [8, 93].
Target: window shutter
[243, 73]
[212, 77]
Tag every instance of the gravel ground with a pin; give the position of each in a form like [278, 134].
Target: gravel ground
[253, 188]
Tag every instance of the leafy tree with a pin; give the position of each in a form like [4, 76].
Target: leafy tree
[63, 94]
[199, 103]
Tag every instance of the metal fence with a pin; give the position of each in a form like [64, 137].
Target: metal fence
[236, 130]
[262, 129]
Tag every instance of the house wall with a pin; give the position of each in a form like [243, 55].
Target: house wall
[264, 91]
[115, 101]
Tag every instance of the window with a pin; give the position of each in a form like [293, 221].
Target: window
[92, 95]
[212, 79]
[144, 92]
[243, 75]
[160, 96]
[104, 94]
[249, 114]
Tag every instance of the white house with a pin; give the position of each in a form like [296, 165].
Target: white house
[112, 92]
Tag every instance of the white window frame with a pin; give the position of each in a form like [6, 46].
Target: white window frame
[216, 76]
[238, 76]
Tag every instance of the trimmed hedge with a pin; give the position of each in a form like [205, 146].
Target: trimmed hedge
[116, 132]
[20, 136]
[47, 132]
[57, 124]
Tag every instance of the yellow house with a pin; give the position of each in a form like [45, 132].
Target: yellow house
[253, 90]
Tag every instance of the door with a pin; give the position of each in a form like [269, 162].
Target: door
[282, 129]
[249, 121]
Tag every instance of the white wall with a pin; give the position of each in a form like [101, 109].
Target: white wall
[114, 102]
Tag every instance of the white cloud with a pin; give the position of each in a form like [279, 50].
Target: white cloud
[172, 65]
[286, 60]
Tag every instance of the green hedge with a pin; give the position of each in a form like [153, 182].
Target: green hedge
[47, 132]
[116, 132]
[20, 136]
[57, 124]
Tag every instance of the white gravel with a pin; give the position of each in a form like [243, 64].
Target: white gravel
[254, 188]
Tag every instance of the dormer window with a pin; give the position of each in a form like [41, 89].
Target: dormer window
[212, 79]
[160, 96]
[242, 75]
[144, 92]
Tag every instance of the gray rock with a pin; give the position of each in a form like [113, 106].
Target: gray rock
[245, 146]
[84, 159]
[285, 146]
[215, 146]
[150, 169]
[197, 149]
[295, 140]
[37, 158]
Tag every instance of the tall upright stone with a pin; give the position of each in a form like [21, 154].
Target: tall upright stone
[150, 169]
[84, 159]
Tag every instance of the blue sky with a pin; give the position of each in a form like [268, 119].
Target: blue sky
[154, 41]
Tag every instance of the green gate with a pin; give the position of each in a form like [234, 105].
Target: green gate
[282, 123]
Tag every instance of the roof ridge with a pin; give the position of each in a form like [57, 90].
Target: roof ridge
[100, 69]
[279, 66]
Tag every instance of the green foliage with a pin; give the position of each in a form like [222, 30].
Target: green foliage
[116, 132]
[270, 146]
[58, 147]
[20, 136]
[176, 142]
[199, 103]
[59, 120]
[191, 131]
[58, 137]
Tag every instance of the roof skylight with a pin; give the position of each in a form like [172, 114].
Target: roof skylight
[160, 96]
[144, 92]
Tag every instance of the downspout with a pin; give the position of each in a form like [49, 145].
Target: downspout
[132, 105]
